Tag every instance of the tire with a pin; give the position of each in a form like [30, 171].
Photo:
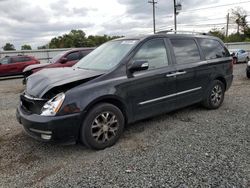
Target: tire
[102, 126]
[215, 95]
[247, 59]
[248, 74]
[235, 60]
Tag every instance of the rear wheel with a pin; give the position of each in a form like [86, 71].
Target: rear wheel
[102, 126]
[215, 95]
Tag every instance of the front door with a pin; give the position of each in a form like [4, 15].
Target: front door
[152, 91]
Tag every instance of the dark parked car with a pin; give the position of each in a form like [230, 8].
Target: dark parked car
[65, 59]
[123, 81]
[14, 65]
[248, 69]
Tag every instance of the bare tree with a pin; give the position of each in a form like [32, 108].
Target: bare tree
[239, 17]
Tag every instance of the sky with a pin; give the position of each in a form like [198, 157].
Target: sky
[35, 22]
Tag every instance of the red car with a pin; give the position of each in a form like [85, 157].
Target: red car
[65, 59]
[14, 65]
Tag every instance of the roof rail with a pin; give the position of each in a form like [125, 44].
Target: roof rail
[181, 32]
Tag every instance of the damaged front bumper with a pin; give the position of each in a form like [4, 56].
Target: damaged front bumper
[50, 128]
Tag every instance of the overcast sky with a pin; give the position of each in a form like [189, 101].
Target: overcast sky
[35, 22]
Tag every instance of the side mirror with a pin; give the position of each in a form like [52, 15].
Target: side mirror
[63, 60]
[139, 65]
[0, 63]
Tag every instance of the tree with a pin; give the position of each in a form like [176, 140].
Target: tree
[217, 33]
[239, 16]
[77, 38]
[235, 37]
[26, 47]
[8, 47]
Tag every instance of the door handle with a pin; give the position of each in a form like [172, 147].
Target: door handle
[180, 73]
[176, 74]
[171, 75]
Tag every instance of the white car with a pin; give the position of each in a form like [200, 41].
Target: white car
[239, 55]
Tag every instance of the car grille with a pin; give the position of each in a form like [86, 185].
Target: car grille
[31, 105]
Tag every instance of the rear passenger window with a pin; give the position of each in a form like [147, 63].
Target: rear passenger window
[153, 51]
[213, 49]
[17, 60]
[185, 50]
[26, 59]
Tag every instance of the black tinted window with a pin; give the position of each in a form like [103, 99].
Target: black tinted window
[185, 50]
[154, 52]
[212, 49]
[73, 56]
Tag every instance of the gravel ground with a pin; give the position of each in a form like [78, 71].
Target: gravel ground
[191, 147]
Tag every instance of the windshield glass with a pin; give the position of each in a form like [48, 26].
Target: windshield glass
[56, 58]
[106, 56]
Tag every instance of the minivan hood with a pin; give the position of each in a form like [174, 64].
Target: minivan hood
[31, 67]
[41, 82]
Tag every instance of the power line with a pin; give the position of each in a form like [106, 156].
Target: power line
[215, 6]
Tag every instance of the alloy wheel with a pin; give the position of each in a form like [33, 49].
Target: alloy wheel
[216, 95]
[104, 127]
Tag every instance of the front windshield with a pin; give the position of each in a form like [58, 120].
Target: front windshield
[106, 56]
[56, 58]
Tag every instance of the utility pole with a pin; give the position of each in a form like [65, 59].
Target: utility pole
[227, 24]
[177, 9]
[175, 14]
[153, 2]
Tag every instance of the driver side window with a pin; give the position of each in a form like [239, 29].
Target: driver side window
[73, 56]
[153, 51]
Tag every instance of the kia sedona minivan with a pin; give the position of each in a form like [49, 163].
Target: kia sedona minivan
[123, 81]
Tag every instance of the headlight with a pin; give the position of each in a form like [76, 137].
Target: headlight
[248, 63]
[51, 107]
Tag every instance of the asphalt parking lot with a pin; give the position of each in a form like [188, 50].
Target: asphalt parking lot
[191, 147]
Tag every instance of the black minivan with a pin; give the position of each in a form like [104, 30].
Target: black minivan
[123, 81]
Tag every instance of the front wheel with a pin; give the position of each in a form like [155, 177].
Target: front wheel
[102, 126]
[215, 95]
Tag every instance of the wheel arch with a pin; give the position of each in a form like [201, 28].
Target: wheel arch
[223, 80]
[114, 100]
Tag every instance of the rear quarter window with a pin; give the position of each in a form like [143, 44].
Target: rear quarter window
[185, 50]
[213, 49]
